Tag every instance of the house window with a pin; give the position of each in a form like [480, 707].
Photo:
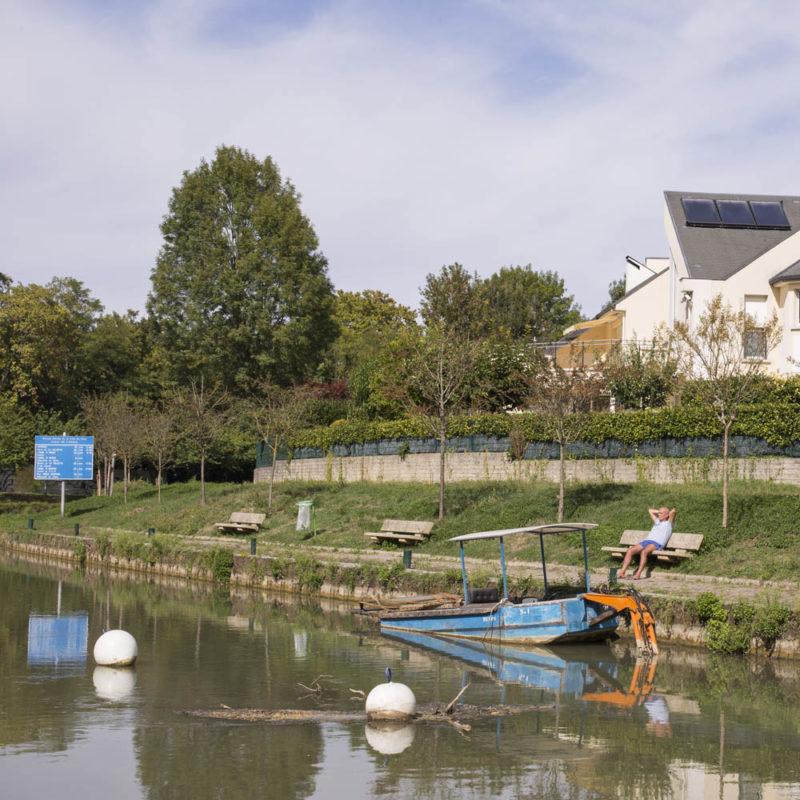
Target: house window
[755, 339]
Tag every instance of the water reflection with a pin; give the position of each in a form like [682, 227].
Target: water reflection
[606, 725]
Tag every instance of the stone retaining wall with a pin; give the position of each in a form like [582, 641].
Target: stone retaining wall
[424, 468]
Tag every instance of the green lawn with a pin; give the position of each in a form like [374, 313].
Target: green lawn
[761, 541]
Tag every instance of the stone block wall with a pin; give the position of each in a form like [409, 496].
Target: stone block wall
[424, 468]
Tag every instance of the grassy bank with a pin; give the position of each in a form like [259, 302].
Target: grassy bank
[761, 542]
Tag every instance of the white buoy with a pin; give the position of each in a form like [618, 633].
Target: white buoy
[391, 701]
[113, 684]
[115, 649]
[389, 739]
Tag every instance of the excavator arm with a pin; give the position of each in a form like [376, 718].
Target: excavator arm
[644, 625]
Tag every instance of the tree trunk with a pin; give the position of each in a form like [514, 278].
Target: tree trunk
[99, 481]
[125, 479]
[561, 479]
[442, 448]
[725, 475]
[158, 478]
[111, 475]
[202, 476]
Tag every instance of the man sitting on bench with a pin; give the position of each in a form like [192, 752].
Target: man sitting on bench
[663, 520]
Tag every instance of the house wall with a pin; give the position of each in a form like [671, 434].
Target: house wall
[646, 309]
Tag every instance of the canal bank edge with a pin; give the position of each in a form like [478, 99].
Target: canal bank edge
[350, 581]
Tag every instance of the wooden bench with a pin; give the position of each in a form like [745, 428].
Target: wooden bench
[402, 531]
[679, 546]
[242, 522]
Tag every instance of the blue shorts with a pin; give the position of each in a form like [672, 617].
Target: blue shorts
[650, 541]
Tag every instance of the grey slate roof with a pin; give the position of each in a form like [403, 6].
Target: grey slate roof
[717, 253]
[790, 275]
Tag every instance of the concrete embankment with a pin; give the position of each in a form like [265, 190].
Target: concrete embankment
[354, 575]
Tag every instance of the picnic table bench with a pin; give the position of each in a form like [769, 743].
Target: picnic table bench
[242, 522]
[402, 531]
[679, 546]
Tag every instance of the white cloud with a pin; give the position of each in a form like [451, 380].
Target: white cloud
[411, 149]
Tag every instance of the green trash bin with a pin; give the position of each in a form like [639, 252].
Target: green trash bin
[306, 516]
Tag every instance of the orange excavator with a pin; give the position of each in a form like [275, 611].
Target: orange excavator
[630, 601]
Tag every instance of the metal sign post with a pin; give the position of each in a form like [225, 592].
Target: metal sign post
[63, 458]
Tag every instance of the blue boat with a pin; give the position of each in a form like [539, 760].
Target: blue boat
[486, 617]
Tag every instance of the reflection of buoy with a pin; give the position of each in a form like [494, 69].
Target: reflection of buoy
[391, 700]
[113, 684]
[389, 738]
[115, 649]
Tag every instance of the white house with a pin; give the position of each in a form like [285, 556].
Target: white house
[744, 247]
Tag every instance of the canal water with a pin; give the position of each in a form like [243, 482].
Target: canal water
[598, 723]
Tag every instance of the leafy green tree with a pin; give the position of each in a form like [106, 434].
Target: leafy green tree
[366, 321]
[643, 375]
[452, 301]
[529, 303]
[727, 353]
[38, 342]
[240, 291]
[17, 433]
[616, 290]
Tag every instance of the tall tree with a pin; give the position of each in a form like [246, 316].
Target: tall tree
[727, 352]
[240, 289]
[452, 302]
[432, 376]
[529, 303]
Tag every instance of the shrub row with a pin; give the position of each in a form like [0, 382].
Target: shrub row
[778, 424]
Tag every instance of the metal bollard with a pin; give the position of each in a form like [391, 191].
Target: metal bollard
[253, 546]
[612, 575]
[407, 559]
[151, 531]
[30, 524]
[77, 529]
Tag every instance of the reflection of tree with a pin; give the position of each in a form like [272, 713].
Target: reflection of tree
[248, 761]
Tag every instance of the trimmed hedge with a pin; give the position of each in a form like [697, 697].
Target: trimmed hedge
[765, 429]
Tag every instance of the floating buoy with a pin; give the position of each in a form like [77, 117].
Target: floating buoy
[115, 649]
[113, 684]
[389, 738]
[391, 700]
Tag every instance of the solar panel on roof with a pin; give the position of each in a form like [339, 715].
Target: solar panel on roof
[769, 214]
[700, 211]
[735, 212]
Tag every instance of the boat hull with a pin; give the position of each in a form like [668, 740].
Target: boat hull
[571, 619]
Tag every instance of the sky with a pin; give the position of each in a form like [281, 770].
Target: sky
[418, 132]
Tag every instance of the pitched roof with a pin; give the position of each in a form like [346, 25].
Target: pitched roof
[716, 253]
[790, 275]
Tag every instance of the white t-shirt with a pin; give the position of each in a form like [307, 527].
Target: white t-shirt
[660, 532]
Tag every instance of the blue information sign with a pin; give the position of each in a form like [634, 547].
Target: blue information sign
[63, 458]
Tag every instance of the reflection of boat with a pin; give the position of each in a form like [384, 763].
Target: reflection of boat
[484, 616]
[588, 672]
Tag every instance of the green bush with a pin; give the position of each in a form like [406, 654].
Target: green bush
[103, 540]
[777, 423]
[708, 608]
[79, 548]
[220, 560]
[308, 573]
[725, 638]
[769, 622]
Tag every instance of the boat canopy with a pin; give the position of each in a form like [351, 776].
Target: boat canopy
[540, 530]
[560, 527]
